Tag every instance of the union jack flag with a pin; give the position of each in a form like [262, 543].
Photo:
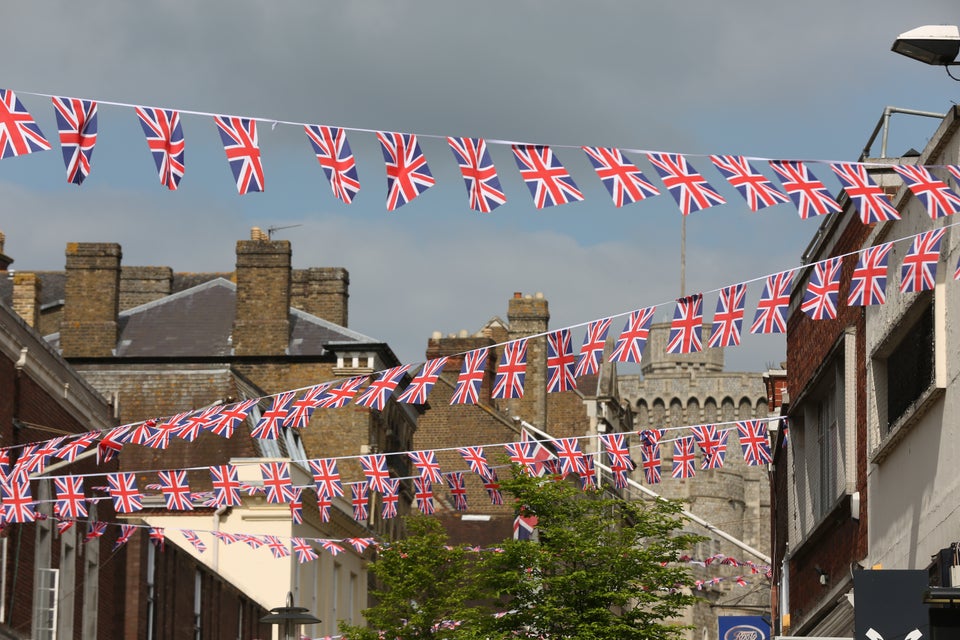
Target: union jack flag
[165, 140]
[192, 537]
[869, 281]
[753, 441]
[524, 525]
[175, 490]
[458, 489]
[77, 125]
[479, 174]
[570, 456]
[5, 461]
[954, 171]
[19, 134]
[95, 530]
[407, 172]
[684, 457]
[528, 453]
[326, 477]
[334, 155]
[712, 443]
[688, 188]
[126, 532]
[71, 502]
[224, 537]
[548, 181]
[687, 326]
[476, 460]
[196, 422]
[72, 448]
[296, 506]
[390, 497]
[276, 481]
[471, 375]
[111, 443]
[276, 546]
[508, 383]
[301, 410]
[240, 142]
[650, 461]
[870, 200]
[331, 546]
[750, 183]
[323, 508]
[728, 318]
[162, 431]
[123, 491]
[418, 389]
[360, 497]
[340, 395]
[773, 304]
[254, 542]
[630, 345]
[622, 178]
[492, 484]
[360, 544]
[231, 416]
[303, 550]
[919, 270]
[560, 362]
[423, 496]
[427, 465]
[809, 195]
[936, 196]
[618, 452]
[820, 298]
[268, 427]
[226, 486]
[375, 396]
[375, 469]
[592, 348]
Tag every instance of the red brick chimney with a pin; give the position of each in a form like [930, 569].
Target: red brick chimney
[261, 325]
[91, 299]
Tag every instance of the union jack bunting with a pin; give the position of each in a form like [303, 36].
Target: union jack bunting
[809, 195]
[302, 409]
[524, 525]
[334, 155]
[458, 489]
[476, 460]
[820, 298]
[954, 171]
[592, 348]
[588, 477]
[326, 477]
[123, 491]
[939, 199]
[323, 508]
[375, 469]
[254, 542]
[5, 461]
[126, 532]
[226, 486]
[471, 375]
[62, 525]
[303, 550]
[196, 422]
[77, 126]
[750, 183]
[331, 546]
[407, 172]
[479, 174]
[70, 501]
[390, 497]
[375, 396]
[296, 506]
[165, 140]
[753, 441]
[529, 454]
[176, 491]
[869, 281]
[418, 389]
[111, 443]
[276, 482]
[423, 496]
[95, 530]
[684, 457]
[618, 452]
[688, 188]
[192, 537]
[651, 437]
[492, 484]
[869, 199]
[774, 301]
[268, 427]
[508, 383]
[360, 497]
[276, 546]
[622, 178]
[571, 457]
[650, 461]
[340, 395]
[712, 443]
[728, 318]
[633, 339]
[240, 142]
[162, 431]
[547, 179]
[687, 326]
[919, 270]
[19, 134]
[143, 432]
[560, 362]
[427, 465]
[231, 416]
[360, 544]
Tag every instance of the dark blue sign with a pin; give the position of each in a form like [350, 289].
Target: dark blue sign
[743, 628]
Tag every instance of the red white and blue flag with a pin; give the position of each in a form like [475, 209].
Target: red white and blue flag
[111, 443]
[492, 484]
[687, 326]
[268, 427]
[326, 477]
[375, 469]
[176, 491]
[684, 457]
[335, 157]
[423, 496]
[570, 456]
[823, 288]
[524, 525]
[479, 174]
[126, 532]
[622, 178]
[774, 301]
[407, 172]
[870, 200]
[303, 550]
[360, 499]
[96, 530]
[633, 339]
[809, 194]
[476, 460]
[753, 441]
[458, 489]
[690, 189]
[123, 491]
[919, 269]
[342, 394]
[277, 547]
[728, 318]
[390, 497]
[194, 539]
[231, 416]
[560, 362]
[650, 461]
[548, 181]
[418, 389]
[750, 183]
[19, 134]
[869, 281]
[618, 451]
[471, 375]
[712, 443]
[301, 410]
[72, 448]
[508, 383]
[70, 501]
[529, 454]
[276, 482]
[77, 126]
[939, 199]
[427, 465]
[165, 140]
[594, 340]
[195, 422]
[376, 395]
[296, 506]
[226, 486]
[242, 146]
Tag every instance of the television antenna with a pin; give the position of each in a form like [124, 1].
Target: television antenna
[270, 230]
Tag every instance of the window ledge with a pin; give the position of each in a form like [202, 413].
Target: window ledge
[906, 422]
[831, 519]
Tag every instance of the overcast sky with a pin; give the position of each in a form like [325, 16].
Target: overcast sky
[780, 80]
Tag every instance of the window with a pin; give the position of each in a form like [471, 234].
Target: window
[828, 445]
[909, 368]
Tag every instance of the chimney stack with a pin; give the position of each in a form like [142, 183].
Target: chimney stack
[527, 316]
[262, 322]
[26, 298]
[91, 300]
[323, 292]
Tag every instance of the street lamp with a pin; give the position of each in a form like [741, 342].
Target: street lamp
[289, 619]
[933, 44]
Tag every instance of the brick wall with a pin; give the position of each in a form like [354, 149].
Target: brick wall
[140, 285]
[322, 291]
[26, 297]
[89, 326]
